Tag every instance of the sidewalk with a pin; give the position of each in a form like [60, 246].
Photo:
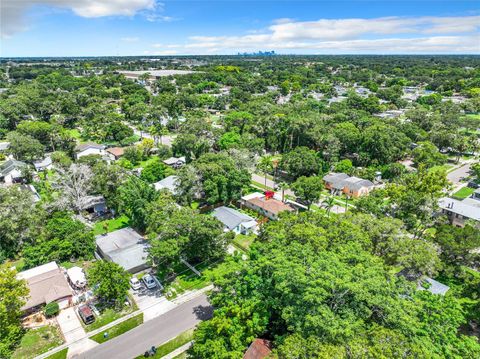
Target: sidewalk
[82, 344]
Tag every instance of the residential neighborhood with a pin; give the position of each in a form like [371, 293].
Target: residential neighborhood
[173, 200]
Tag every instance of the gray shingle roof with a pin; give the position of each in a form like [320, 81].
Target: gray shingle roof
[169, 183]
[125, 247]
[230, 217]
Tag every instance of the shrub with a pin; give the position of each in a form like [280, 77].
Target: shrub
[51, 309]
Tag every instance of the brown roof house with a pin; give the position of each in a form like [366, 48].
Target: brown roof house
[47, 284]
[259, 349]
[265, 205]
[115, 152]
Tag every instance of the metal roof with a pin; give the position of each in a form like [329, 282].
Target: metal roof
[230, 217]
[459, 207]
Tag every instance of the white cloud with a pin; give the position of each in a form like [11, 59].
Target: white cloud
[13, 11]
[379, 35]
[160, 52]
[130, 39]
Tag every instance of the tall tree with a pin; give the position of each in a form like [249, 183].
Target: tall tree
[13, 295]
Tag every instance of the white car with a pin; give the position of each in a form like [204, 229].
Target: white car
[149, 281]
[135, 283]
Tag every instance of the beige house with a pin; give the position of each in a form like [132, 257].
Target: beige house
[355, 187]
[47, 284]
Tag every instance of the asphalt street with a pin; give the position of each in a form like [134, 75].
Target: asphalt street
[154, 332]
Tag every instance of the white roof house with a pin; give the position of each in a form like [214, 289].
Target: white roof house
[169, 183]
[234, 220]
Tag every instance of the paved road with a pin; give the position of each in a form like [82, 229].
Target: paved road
[458, 174]
[154, 332]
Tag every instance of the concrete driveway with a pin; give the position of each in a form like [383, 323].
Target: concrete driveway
[70, 325]
[151, 302]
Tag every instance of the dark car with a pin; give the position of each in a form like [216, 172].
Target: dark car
[86, 314]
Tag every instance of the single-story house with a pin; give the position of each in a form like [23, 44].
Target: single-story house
[115, 152]
[343, 183]
[125, 247]
[458, 212]
[44, 164]
[433, 286]
[169, 183]
[87, 149]
[259, 349]
[266, 206]
[234, 220]
[175, 162]
[47, 284]
[11, 171]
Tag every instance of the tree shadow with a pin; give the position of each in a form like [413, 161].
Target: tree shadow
[203, 312]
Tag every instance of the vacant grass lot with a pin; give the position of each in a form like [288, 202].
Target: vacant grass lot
[243, 241]
[119, 329]
[38, 341]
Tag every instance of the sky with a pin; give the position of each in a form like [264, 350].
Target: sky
[181, 27]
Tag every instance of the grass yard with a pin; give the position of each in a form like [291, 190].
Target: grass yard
[243, 242]
[62, 354]
[119, 329]
[19, 264]
[463, 193]
[261, 185]
[173, 344]
[186, 279]
[108, 315]
[38, 341]
[113, 224]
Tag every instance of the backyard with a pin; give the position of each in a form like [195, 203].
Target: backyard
[112, 225]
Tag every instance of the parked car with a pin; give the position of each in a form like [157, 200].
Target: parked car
[86, 314]
[149, 281]
[135, 283]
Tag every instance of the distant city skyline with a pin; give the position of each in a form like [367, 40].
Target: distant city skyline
[150, 27]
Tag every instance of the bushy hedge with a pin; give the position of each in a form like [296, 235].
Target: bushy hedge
[51, 309]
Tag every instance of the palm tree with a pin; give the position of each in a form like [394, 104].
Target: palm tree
[265, 165]
[283, 186]
[329, 203]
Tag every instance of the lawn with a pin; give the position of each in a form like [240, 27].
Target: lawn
[463, 193]
[261, 185]
[18, 264]
[119, 329]
[186, 279]
[108, 315]
[62, 354]
[38, 341]
[173, 344]
[113, 224]
[243, 241]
